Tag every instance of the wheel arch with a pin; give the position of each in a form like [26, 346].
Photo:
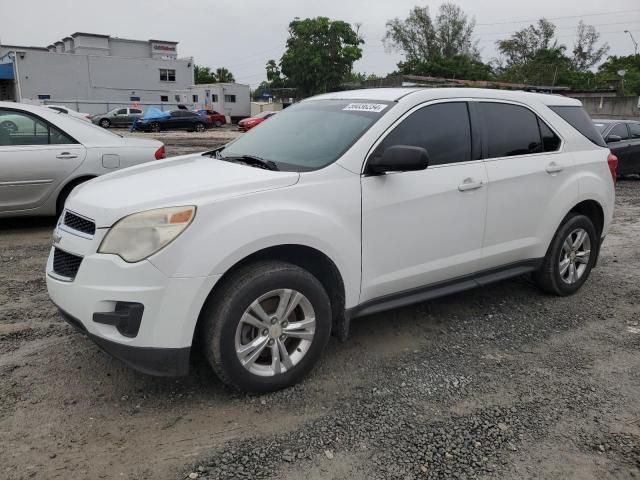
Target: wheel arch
[593, 210]
[68, 186]
[306, 257]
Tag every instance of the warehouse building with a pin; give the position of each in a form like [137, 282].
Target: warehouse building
[90, 72]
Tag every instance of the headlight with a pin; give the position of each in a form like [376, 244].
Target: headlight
[140, 235]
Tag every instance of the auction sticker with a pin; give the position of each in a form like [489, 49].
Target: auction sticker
[365, 107]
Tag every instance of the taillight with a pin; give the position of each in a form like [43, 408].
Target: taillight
[612, 160]
[160, 153]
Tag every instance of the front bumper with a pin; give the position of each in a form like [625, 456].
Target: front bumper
[160, 342]
[160, 362]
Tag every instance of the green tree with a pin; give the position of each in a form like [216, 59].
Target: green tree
[525, 44]
[222, 75]
[320, 54]
[421, 39]
[586, 53]
[456, 66]
[608, 73]
[203, 75]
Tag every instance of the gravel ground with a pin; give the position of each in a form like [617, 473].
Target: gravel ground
[499, 382]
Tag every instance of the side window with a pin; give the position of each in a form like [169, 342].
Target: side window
[634, 128]
[511, 130]
[620, 130]
[19, 128]
[135, 110]
[230, 98]
[122, 111]
[214, 98]
[442, 129]
[550, 141]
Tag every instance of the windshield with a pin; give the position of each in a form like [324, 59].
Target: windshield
[309, 135]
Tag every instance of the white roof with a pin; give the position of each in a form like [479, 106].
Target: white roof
[396, 94]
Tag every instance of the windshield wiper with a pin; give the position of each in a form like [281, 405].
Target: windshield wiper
[253, 160]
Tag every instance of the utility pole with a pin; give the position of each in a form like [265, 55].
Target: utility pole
[635, 44]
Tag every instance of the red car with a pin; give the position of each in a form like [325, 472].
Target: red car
[216, 119]
[249, 123]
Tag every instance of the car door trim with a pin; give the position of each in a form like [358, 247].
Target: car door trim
[441, 289]
[19, 183]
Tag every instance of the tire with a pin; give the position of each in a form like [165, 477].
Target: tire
[200, 127]
[217, 124]
[225, 331]
[155, 127]
[555, 276]
[105, 123]
[9, 126]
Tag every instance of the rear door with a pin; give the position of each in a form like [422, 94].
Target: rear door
[528, 174]
[121, 118]
[35, 157]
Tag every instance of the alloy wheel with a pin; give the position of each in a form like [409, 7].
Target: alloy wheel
[275, 332]
[574, 256]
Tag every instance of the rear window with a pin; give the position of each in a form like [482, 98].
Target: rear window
[578, 119]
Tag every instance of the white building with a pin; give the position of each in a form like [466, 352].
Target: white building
[93, 73]
[230, 99]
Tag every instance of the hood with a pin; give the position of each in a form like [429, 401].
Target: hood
[187, 180]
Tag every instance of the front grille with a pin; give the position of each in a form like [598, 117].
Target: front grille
[76, 222]
[65, 264]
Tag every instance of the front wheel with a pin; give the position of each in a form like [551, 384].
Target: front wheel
[155, 127]
[105, 123]
[570, 258]
[200, 127]
[217, 124]
[266, 326]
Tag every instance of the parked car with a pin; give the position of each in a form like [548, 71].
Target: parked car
[45, 154]
[176, 120]
[216, 119]
[248, 123]
[344, 205]
[623, 138]
[72, 113]
[118, 117]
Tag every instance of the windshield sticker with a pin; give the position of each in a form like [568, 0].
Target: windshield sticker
[365, 107]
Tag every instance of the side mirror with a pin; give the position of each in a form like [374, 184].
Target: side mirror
[613, 138]
[399, 158]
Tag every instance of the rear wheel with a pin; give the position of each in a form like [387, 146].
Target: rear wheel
[155, 127]
[105, 123]
[266, 326]
[570, 257]
[217, 124]
[200, 127]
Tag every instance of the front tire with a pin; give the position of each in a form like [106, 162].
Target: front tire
[200, 127]
[105, 123]
[266, 326]
[570, 258]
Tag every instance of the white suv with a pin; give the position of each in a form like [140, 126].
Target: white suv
[343, 205]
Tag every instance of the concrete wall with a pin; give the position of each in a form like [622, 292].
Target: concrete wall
[69, 77]
[610, 107]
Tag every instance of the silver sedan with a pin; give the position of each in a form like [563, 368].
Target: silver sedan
[45, 154]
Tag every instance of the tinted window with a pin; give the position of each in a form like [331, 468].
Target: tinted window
[511, 130]
[19, 128]
[620, 130]
[578, 119]
[122, 111]
[634, 128]
[442, 129]
[135, 110]
[550, 141]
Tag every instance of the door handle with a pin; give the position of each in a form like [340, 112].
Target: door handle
[553, 167]
[65, 155]
[469, 184]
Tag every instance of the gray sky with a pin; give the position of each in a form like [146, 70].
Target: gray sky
[243, 34]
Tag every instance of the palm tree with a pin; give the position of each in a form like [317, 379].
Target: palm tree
[222, 75]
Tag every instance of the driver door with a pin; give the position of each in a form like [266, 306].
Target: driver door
[420, 228]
